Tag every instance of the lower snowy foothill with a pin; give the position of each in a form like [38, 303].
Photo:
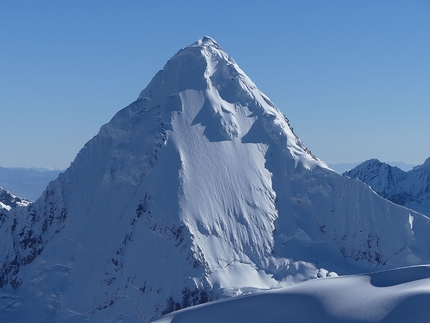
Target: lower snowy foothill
[394, 296]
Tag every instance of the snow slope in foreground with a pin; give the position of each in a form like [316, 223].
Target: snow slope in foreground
[400, 295]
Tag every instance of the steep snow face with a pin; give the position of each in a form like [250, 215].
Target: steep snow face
[196, 191]
[410, 189]
[222, 127]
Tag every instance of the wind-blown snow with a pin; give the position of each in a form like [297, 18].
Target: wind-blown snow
[197, 191]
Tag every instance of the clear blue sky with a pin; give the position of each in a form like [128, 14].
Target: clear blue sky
[353, 77]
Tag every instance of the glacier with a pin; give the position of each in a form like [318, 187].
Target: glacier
[197, 191]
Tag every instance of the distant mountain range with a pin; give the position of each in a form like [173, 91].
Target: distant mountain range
[343, 167]
[28, 183]
[410, 189]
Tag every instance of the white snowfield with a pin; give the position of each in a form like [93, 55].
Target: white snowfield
[395, 296]
[197, 191]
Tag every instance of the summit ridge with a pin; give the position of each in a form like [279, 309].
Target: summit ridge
[206, 41]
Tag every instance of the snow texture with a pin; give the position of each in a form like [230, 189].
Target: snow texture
[197, 191]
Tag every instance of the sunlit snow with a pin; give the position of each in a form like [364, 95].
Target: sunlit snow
[396, 296]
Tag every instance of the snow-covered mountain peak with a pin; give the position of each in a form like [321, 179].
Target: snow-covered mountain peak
[208, 75]
[205, 41]
[197, 190]
[190, 68]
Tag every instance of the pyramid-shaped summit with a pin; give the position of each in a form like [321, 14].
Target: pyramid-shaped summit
[196, 191]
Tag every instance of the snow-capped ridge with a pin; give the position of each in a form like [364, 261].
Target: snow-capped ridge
[426, 164]
[9, 201]
[205, 41]
[410, 189]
